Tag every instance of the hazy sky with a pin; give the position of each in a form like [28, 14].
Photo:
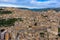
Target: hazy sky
[31, 3]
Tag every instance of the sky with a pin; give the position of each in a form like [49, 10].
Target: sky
[30, 3]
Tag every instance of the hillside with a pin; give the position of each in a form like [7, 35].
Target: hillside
[19, 24]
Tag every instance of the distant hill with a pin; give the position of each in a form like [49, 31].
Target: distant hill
[38, 10]
[44, 9]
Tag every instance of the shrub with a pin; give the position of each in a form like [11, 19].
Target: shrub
[58, 29]
[20, 19]
[42, 34]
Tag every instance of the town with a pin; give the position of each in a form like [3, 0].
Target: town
[19, 24]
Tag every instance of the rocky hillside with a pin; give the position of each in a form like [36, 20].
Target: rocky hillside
[18, 24]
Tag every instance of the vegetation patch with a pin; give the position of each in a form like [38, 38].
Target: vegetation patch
[58, 29]
[20, 19]
[5, 12]
[1, 9]
[9, 22]
[42, 34]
